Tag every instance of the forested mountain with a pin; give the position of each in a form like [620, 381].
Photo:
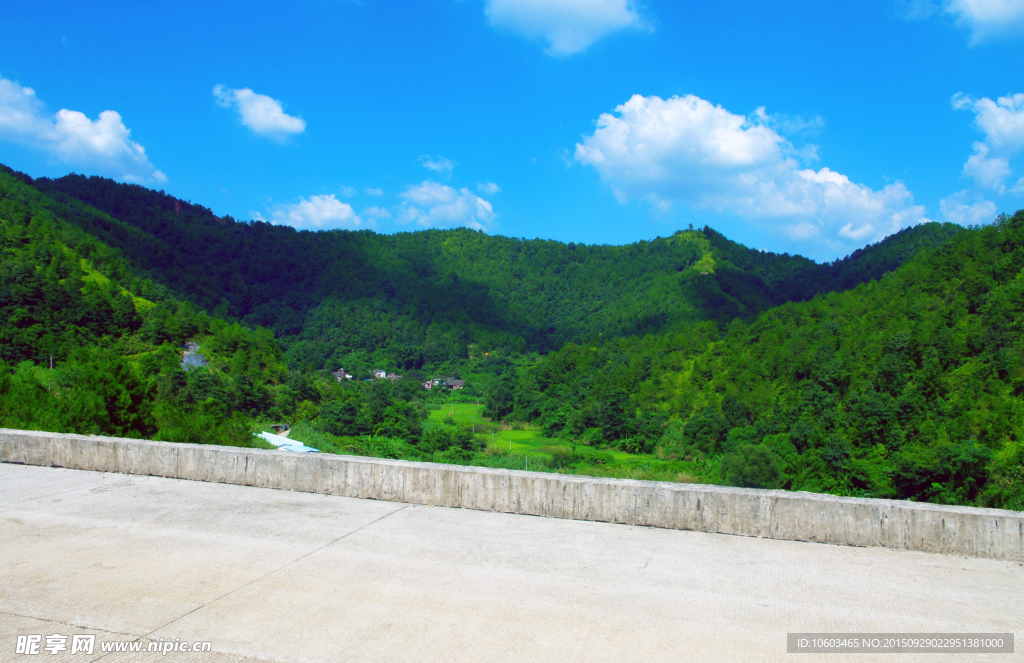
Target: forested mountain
[66, 301]
[895, 372]
[907, 387]
[425, 299]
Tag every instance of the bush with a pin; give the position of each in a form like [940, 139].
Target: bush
[706, 430]
[340, 417]
[673, 439]
[634, 445]
[837, 453]
[1005, 490]
[562, 458]
[739, 436]
[946, 473]
[446, 436]
[782, 444]
[307, 411]
[593, 456]
[751, 466]
[380, 446]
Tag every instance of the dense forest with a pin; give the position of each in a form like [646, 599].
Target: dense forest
[67, 301]
[910, 386]
[895, 372]
[426, 300]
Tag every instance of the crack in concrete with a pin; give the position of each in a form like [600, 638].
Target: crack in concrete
[127, 636]
[59, 492]
[269, 573]
[71, 624]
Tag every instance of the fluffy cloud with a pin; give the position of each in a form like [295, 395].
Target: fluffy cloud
[684, 150]
[316, 213]
[103, 145]
[434, 205]
[967, 209]
[1002, 123]
[988, 19]
[988, 172]
[567, 26]
[261, 113]
[1002, 120]
[439, 164]
[23, 117]
[985, 20]
[488, 188]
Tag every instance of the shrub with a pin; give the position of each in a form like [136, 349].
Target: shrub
[739, 436]
[751, 466]
[562, 458]
[443, 437]
[706, 430]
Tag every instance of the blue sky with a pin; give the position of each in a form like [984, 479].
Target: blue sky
[806, 127]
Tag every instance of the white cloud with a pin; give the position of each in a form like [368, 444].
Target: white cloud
[103, 145]
[435, 205]
[439, 164]
[567, 26]
[316, 213]
[985, 20]
[1002, 120]
[261, 113]
[1002, 123]
[988, 172]
[684, 150]
[348, 191]
[23, 117]
[374, 192]
[488, 188]
[967, 209]
[988, 19]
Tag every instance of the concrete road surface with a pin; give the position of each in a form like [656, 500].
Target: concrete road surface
[281, 576]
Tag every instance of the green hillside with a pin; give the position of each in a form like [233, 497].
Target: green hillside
[65, 301]
[908, 387]
[427, 300]
[895, 372]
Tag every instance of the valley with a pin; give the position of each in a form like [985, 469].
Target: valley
[895, 372]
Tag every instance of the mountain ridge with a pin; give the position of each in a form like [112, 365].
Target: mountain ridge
[443, 290]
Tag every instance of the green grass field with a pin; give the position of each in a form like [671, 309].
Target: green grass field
[462, 412]
[526, 442]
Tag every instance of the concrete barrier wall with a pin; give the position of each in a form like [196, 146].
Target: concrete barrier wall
[771, 514]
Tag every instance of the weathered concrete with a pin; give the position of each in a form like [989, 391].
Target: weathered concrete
[716, 509]
[288, 576]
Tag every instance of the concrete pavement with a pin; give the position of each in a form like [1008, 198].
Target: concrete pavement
[286, 576]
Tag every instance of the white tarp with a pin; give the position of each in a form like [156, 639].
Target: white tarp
[284, 444]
